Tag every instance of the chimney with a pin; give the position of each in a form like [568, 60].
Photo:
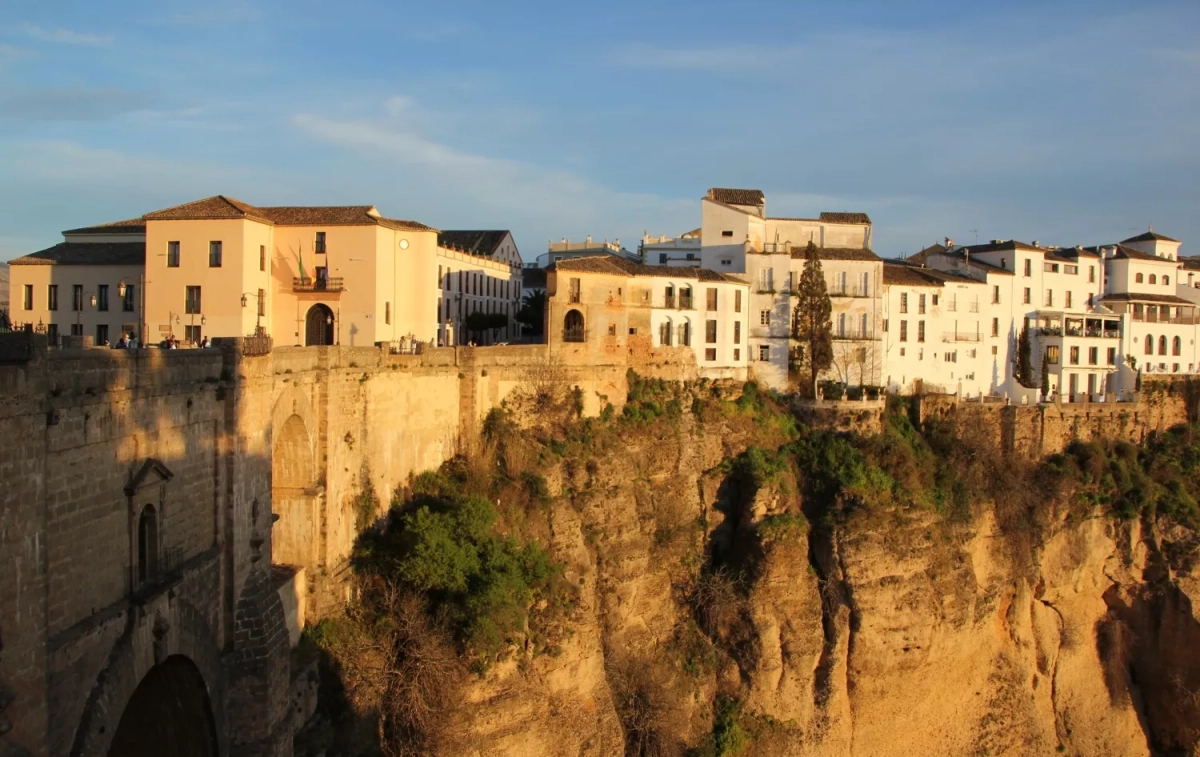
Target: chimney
[589, 239]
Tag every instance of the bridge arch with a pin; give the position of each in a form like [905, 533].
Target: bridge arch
[170, 712]
[296, 478]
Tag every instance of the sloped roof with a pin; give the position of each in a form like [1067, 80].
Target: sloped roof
[1006, 244]
[621, 267]
[737, 196]
[87, 253]
[216, 207]
[908, 275]
[336, 215]
[476, 242]
[843, 217]
[1124, 252]
[1191, 263]
[838, 253]
[982, 265]
[534, 278]
[128, 226]
[1150, 236]
[692, 233]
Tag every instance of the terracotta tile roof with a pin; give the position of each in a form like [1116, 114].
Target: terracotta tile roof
[1071, 254]
[215, 207]
[128, 226]
[845, 218]
[1124, 252]
[613, 265]
[1149, 236]
[336, 215]
[921, 255]
[87, 253]
[1168, 299]
[1191, 263]
[533, 278]
[908, 275]
[479, 242]
[982, 265]
[838, 253]
[753, 197]
[1006, 244]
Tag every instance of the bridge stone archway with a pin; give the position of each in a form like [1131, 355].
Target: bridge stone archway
[296, 491]
[169, 713]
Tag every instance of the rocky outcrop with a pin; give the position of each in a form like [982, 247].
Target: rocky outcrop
[892, 632]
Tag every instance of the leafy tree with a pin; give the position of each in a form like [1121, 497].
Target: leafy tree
[1022, 362]
[479, 322]
[812, 326]
[532, 313]
[1045, 378]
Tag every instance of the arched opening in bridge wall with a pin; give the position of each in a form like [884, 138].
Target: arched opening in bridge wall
[169, 713]
[295, 495]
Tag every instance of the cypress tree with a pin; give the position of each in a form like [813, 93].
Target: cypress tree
[1023, 368]
[1045, 378]
[812, 324]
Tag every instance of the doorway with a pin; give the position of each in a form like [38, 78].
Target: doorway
[318, 324]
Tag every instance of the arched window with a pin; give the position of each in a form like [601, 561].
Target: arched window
[1139, 278]
[1162, 344]
[1153, 279]
[573, 326]
[147, 544]
[665, 332]
[1177, 346]
[1149, 344]
[1166, 280]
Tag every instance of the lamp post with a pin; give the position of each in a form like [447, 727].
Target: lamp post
[88, 297]
[122, 288]
[259, 310]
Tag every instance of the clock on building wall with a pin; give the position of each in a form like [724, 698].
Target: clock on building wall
[404, 244]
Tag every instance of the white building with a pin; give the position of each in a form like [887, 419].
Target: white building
[682, 251]
[568, 250]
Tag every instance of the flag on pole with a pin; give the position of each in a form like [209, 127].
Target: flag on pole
[303, 275]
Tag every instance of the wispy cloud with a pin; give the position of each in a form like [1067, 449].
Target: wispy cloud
[68, 36]
[72, 103]
[10, 53]
[729, 59]
[213, 14]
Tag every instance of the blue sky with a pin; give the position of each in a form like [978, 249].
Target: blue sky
[1066, 122]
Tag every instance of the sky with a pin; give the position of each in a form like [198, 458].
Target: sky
[1065, 122]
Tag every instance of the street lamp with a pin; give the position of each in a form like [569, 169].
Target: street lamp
[90, 299]
[258, 315]
[122, 288]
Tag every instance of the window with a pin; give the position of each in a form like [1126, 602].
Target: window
[935, 300]
[633, 330]
[1072, 269]
[1052, 355]
[764, 353]
[737, 301]
[1153, 279]
[1025, 298]
[147, 540]
[1091, 274]
[685, 334]
[1166, 280]
[28, 298]
[664, 334]
[387, 312]
[262, 302]
[51, 297]
[1049, 297]
[172, 254]
[995, 294]
[319, 246]
[1093, 355]
[1074, 356]
[711, 299]
[764, 317]
[214, 254]
[863, 326]
[191, 303]
[901, 352]
[995, 350]
[920, 331]
[710, 332]
[921, 304]
[1139, 278]
[885, 325]
[77, 297]
[950, 357]
[612, 329]
[52, 334]
[904, 331]
[864, 287]
[1112, 355]
[1050, 267]
[737, 355]
[1067, 301]
[1162, 344]
[1149, 344]
[128, 300]
[727, 233]
[995, 327]
[102, 297]
[76, 329]
[1028, 266]
[904, 302]
[191, 333]
[737, 333]
[262, 259]
[710, 354]
[662, 258]
[101, 334]
[1177, 347]
[724, 261]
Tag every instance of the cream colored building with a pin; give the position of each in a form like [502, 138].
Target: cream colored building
[89, 285]
[303, 275]
[682, 251]
[604, 305]
[739, 237]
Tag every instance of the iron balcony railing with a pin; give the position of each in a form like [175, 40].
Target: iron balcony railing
[573, 297]
[849, 291]
[854, 335]
[163, 568]
[669, 300]
[961, 336]
[685, 300]
[574, 335]
[308, 284]
[1157, 318]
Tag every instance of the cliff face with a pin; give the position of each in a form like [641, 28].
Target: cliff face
[897, 633]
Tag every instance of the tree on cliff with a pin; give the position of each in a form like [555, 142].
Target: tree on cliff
[812, 326]
[532, 314]
[1045, 378]
[1022, 362]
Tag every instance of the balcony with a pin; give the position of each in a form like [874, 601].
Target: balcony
[669, 301]
[961, 336]
[685, 300]
[1159, 318]
[308, 284]
[573, 298]
[854, 335]
[849, 291]
[574, 335]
